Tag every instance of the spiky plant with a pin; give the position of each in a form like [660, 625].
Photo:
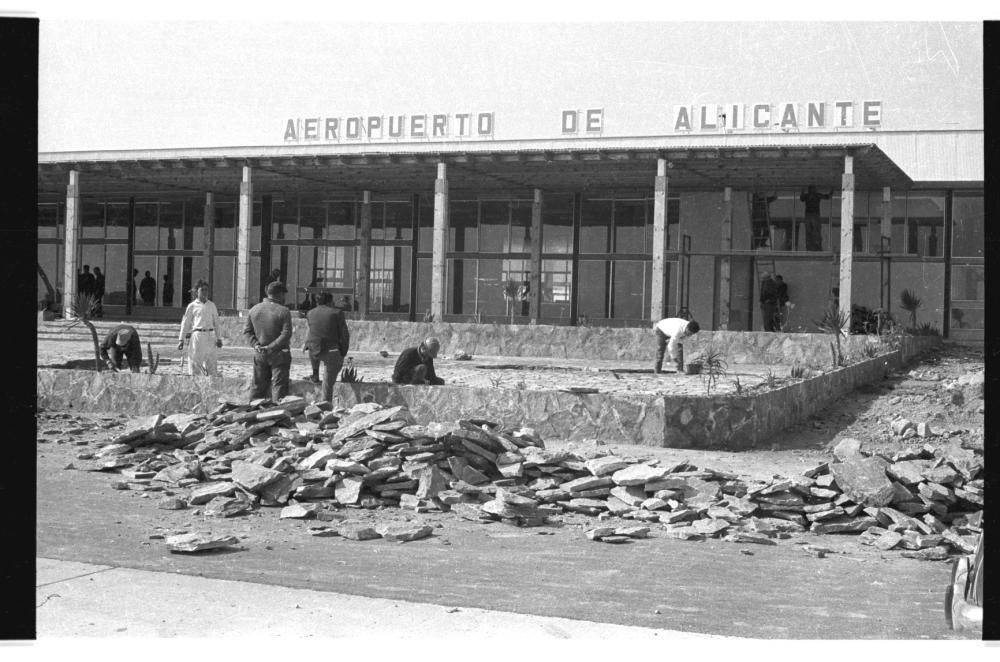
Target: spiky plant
[83, 311]
[349, 375]
[512, 293]
[834, 322]
[910, 303]
[152, 362]
[713, 366]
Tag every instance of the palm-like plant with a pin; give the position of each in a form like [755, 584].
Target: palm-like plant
[512, 293]
[910, 303]
[84, 310]
[835, 322]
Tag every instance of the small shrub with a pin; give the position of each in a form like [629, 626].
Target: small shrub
[910, 303]
[496, 381]
[869, 350]
[349, 375]
[770, 380]
[428, 315]
[713, 366]
[153, 363]
[738, 385]
[925, 329]
[798, 371]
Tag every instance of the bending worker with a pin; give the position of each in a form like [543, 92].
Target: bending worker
[416, 364]
[670, 333]
[122, 342]
[201, 322]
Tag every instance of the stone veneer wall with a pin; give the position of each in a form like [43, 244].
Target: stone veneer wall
[719, 422]
[584, 342]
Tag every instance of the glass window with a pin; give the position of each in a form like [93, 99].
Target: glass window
[169, 282]
[967, 217]
[226, 220]
[968, 318]
[255, 224]
[399, 220]
[463, 225]
[673, 223]
[145, 226]
[425, 236]
[285, 223]
[116, 218]
[378, 218]
[48, 277]
[592, 293]
[494, 226]
[520, 226]
[968, 283]
[194, 224]
[557, 224]
[633, 226]
[898, 223]
[463, 286]
[595, 230]
[630, 289]
[224, 288]
[341, 220]
[782, 214]
[48, 221]
[145, 280]
[925, 224]
[286, 259]
[389, 285]
[171, 226]
[423, 303]
[91, 219]
[115, 274]
[312, 221]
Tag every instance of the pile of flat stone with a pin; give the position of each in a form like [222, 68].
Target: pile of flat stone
[312, 460]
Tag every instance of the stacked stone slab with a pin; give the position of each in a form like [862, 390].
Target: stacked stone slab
[309, 459]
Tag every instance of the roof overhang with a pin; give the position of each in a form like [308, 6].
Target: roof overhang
[702, 168]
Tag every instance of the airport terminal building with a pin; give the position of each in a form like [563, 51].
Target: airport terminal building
[587, 174]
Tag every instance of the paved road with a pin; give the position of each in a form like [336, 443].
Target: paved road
[710, 587]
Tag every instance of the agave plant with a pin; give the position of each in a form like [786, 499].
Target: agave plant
[713, 366]
[834, 322]
[349, 375]
[512, 293]
[910, 303]
[84, 310]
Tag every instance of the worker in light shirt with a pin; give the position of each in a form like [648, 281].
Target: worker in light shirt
[201, 322]
[670, 334]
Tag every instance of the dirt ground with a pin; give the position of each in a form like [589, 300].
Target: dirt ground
[769, 592]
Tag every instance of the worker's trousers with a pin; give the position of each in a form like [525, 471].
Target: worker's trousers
[661, 349]
[202, 353]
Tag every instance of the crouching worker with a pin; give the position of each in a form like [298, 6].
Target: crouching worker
[670, 335]
[416, 364]
[122, 342]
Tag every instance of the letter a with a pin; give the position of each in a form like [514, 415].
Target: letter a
[290, 131]
[683, 119]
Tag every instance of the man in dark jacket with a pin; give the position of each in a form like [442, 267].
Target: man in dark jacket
[269, 331]
[99, 284]
[328, 341]
[147, 290]
[768, 302]
[416, 364]
[122, 342]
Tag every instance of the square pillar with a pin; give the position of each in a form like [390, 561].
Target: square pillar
[658, 291]
[846, 237]
[71, 245]
[209, 252]
[886, 232]
[243, 242]
[535, 282]
[725, 266]
[440, 243]
[363, 289]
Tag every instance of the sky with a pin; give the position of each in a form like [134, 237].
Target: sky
[146, 82]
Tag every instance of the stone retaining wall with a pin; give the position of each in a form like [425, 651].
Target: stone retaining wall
[728, 422]
[583, 342]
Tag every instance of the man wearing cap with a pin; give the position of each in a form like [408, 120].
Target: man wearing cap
[416, 364]
[122, 342]
[201, 322]
[670, 333]
[269, 332]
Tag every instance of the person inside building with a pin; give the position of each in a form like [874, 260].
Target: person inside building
[268, 330]
[670, 335]
[415, 365]
[327, 342]
[168, 290]
[86, 282]
[201, 323]
[147, 290]
[760, 219]
[783, 303]
[768, 301]
[814, 227]
[122, 342]
[99, 284]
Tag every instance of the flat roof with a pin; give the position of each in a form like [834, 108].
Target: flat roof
[314, 170]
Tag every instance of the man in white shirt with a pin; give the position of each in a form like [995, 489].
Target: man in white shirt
[201, 322]
[670, 333]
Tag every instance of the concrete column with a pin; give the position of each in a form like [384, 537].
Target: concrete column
[209, 252]
[243, 242]
[886, 239]
[266, 214]
[846, 236]
[364, 256]
[725, 266]
[657, 295]
[535, 282]
[440, 242]
[71, 246]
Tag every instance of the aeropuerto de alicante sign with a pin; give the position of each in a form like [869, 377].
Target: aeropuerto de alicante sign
[730, 117]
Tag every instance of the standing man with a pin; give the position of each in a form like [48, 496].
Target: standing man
[98, 292]
[147, 290]
[86, 282]
[328, 341]
[814, 230]
[201, 322]
[670, 332]
[781, 317]
[269, 331]
[416, 364]
[122, 342]
[768, 301]
[168, 290]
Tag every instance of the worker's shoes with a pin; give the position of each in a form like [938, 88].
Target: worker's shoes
[315, 379]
